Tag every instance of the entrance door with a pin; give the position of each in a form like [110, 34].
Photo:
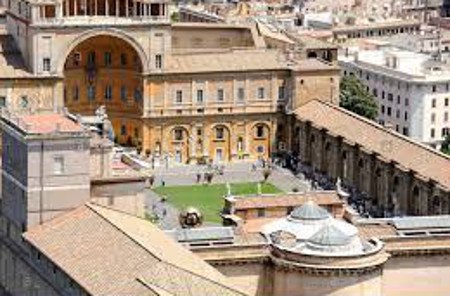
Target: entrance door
[178, 156]
[219, 154]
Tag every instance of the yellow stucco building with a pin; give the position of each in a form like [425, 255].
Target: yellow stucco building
[187, 92]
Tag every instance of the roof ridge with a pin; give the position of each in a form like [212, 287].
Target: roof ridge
[380, 127]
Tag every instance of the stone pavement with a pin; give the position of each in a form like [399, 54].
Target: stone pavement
[233, 173]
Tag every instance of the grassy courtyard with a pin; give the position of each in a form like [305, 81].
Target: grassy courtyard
[209, 198]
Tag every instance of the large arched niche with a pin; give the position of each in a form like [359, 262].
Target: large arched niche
[106, 69]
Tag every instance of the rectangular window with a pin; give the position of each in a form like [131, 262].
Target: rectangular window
[220, 95]
[199, 95]
[107, 59]
[390, 97]
[406, 102]
[178, 135]
[76, 59]
[76, 93]
[219, 133]
[241, 94]
[432, 133]
[398, 100]
[445, 132]
[261, 212]
[405, 131]
[2, 101]
[260, 131]
[158, 61]
[433, 103]
[108, 92]
[406, 116]
[137, 95]
[123, 93]
[58, 165]
[261, 93]
[382, 109]
[389, 111]
[123, 59]
[46, 65]
[281, 93]
[446, 102]
[91, 59]
[91, 93]
[179, 97]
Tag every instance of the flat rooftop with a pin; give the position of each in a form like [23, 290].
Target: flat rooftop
[408, 64]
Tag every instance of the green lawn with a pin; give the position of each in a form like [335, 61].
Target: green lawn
[209, 198]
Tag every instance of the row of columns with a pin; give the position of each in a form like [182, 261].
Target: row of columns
[387, 184]
[94, 7]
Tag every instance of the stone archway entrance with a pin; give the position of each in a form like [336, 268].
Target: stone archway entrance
[106, 70]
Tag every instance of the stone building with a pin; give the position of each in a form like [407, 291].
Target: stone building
[399, 176]
[187, 91]
[57, 240]
[44, 158]
[412, 90]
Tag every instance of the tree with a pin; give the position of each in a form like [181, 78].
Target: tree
[355, 97]
[445, 147]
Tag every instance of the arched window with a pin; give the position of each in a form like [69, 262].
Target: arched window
[361, 163]
[178, 134]
[220, 131]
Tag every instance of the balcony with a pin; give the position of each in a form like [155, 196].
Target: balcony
[98, 20]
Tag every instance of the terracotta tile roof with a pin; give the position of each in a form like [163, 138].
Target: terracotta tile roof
[112, 253]
[48, 123]
[390, 145]
[231, 61]
[376, 230]
[287, 200]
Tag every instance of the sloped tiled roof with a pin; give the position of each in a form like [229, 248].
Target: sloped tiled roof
[228, 61]
[285, 200]
[112, 253]
[390, 145]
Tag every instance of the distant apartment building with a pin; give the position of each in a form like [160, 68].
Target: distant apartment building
[412, 90]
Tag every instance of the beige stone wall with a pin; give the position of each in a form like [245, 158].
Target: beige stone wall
[201, 37]
[251, 277]
[199, 136]
[133, 204]
[417, 275]
[323, 85]
[39, 94]
[293, 283]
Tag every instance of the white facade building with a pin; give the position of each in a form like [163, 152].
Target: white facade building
[412, 90]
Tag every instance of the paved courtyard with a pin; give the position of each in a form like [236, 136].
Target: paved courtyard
[232, 173]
